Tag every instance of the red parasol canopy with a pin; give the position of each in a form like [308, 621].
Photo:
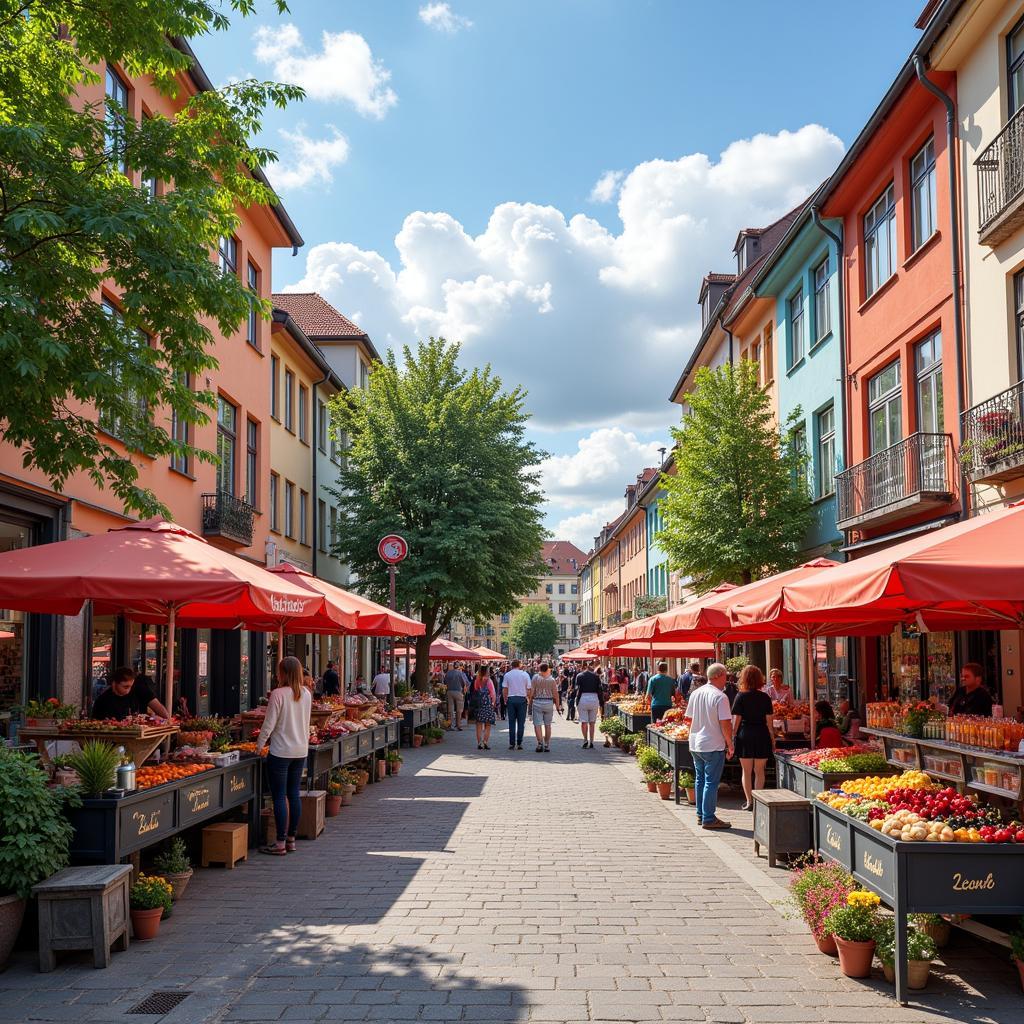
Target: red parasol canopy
[652, 649]
[654, 625]
[489, 653]
[444, 650]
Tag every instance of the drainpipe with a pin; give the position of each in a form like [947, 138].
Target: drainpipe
[315, 510]
[954, 225]
[727, 331]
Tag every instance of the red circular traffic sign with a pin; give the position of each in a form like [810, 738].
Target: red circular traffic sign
[392, 549]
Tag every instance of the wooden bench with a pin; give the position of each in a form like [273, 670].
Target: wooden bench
[83, 908]
[782, 823]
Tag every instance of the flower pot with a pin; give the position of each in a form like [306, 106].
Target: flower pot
[1019, 963]
[691, 796]
[855, 957]
[346, 795]
[393, 767]
[417, 740]
[146, 923]
[382, 768]
[939, 933]
[12, 912]
[178, 881]
[332, 806]
[665, 790]
[607, 742]
[917, 973]
[827, 945]
[889, 970]
[652, 787]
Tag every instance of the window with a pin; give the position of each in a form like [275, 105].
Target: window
[769, 364]
[364, 375]
[505, 618]
[303, 517]
[928, 366]
[822, 300]
[150, 185]
[884, 410]
[334, 526]
[289, 401]
[321, 524]
[561, 607]
[561, 588]
[880, 241]
[252, 280]
[922, 195]
[180, 433]
[275, 387]
[1015, 68]
[826, 452]
[304, 413]
[289, 508]
[755, 355]
[115, 113]
[549, 589]
[561, 629]
[131, 404]
[252, 463]
[227, 444]
[574, 588]
[1018, 301]
[796, 327]
[275, 487]
[798, 441]
[227, 255]
[573, 609]
[321, 425]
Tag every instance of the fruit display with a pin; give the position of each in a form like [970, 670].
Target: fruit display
[244, 748]
[195, 739]
[134, 724]
[149, 776]
[814, 758]
[873, 762]
[674, 716]
[413, 701]
[679, 731]
[635, 705]
[783, 711]
[882, 786]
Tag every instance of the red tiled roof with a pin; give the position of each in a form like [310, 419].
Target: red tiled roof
[316, 316]
[559, 556]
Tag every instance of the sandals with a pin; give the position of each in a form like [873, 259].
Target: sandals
[274, 851]
[289, 846]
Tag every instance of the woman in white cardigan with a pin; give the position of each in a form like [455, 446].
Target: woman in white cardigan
[287, 729]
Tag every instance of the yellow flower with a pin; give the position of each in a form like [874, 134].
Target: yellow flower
[862, 898]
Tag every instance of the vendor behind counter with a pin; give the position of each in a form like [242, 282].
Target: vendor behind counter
[126, 695]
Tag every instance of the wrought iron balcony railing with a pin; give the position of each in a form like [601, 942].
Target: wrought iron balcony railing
[226, 516]
[916, 472]
[1001, 182]
[993, 432]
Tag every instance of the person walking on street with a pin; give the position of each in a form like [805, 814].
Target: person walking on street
[514, 688]
[543, 698]
[751, 718]
[382, 685]
[456, 683]
[481, 703]
[286, 728]
[501, 693]
[660, 688]
[710, 719]
[589, 702]
[570, 698]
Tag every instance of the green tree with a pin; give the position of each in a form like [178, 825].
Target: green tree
[71, 219]
[438, 455]
[534, 630]
[739, 506]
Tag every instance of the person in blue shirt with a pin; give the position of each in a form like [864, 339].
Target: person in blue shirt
[660, 688]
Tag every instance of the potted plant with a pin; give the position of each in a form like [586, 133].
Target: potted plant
[172, 865]
[347, 780]
[1017, 949]
[687, 783]
[361, 777]
[854, 927]
[382, 767]
[63, 772]
[149, 899]
[48, 712]
[332, 803]
[921, 952]
[663, 782]
[394, 761]
[818, 887]
[96, 765]
[935, 926]
[34, 840]
[417, 739]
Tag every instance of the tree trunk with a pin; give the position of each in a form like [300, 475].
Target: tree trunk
[422, 674]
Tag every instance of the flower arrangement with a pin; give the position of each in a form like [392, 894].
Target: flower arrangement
[51, 708]
[914, 717]
[857, 920]
[150, 893]
[818, 887]
[393, 757]
[920, 946]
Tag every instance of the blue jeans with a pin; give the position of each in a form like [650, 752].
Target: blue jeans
[707, 773]
[516, 720]
[285, 775]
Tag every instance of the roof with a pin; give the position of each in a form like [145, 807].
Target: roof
[320, 320]
[559, 556]
[286, 320]
[713, 278]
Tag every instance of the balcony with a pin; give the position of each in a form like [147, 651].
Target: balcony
[993, 432]
[911, 476]
[1001, 183]
[614, 619]
[229, 517]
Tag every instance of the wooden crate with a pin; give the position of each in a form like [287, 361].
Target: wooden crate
[782, 823]
[314, 805]
[225, 842]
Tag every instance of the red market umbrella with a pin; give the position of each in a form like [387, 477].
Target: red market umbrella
[444, 650]
[654, 649]
[488, 653]
[577, 654]
[674, 620]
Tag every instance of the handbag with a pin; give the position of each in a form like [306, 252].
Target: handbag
[474, 700]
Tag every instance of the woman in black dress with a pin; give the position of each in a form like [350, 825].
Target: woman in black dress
[751, 713]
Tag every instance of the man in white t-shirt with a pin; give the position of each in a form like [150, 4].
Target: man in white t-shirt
[381, 684]
[710, 719]
[513, 688]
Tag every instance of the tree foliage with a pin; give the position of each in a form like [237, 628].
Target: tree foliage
[438, 455]
[74, 217]
[534, 630]
[739, 506]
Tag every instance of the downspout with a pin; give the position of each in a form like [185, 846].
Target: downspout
[954, 227]
[315, 510]
[727, 331]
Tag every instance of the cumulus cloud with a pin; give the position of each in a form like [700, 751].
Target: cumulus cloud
[305, 161]
[583, 527]
[596, 323]
[440, 16]
[344, 69]
[606, 187]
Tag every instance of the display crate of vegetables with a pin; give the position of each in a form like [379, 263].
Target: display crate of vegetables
[811, 771]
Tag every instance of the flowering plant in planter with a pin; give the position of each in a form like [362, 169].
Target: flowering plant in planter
[920, 946]
[51, 708]
[150, 892]
[914, 717]
[857, 920]
[818, 887]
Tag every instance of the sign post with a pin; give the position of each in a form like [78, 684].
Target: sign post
[392, 549]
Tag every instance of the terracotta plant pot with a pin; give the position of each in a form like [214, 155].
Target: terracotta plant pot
[417, 740]
[146, 923]
[652, 787]
[827, 945]
[178, 882]
[889, 970]
[918, 972]
[1019, 963]
[607, 742]
[346, 795]
[12, 912]
[691, 796]
[332, 806]
[665, 790]
[855, 957]
[939, 933]
[382, 768]
[393, 767]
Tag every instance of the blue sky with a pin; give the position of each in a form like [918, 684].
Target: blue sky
[443, 172]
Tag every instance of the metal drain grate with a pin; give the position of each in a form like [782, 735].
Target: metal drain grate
[159, 1002]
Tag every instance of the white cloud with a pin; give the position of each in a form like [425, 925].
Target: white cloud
[440, 16]
[606, 187]
[305, 160]
[344, 69]
[597, 324]
[583, 527]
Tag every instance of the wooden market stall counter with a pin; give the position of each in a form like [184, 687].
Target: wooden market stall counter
[416, 716]
[138, 740]
[635, 723]
[352, 747]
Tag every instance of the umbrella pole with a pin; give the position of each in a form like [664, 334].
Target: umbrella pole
[169, 679]
[811, 687]
[280, 642]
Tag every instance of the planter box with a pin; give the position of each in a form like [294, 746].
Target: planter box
[676, 752]
[634, 723]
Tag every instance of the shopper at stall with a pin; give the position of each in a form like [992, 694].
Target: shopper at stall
[778, 689]
[660, 688]
[483, 699]
[456, 684]
[751, 715]
[710, 719]
[589, 702]
[828, 734]
[542, 700]
[286, 728]
[382, 684]
[685, 679]
[128, 694]
[331, 680]
[513, 689]
[971, 696]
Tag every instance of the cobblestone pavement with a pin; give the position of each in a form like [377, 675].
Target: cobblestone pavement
[500, 887]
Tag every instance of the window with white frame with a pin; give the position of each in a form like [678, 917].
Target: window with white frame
[115, 114]
[796, 327]
[922, 195]
[303, 517]
[227, 444]
[289, 508]
[227, 254]
[885, 412]
[880, 241]
[180, 433]
[252, 281]
[289, 401]
[822, 300]
[826, 452]
[275, 504]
